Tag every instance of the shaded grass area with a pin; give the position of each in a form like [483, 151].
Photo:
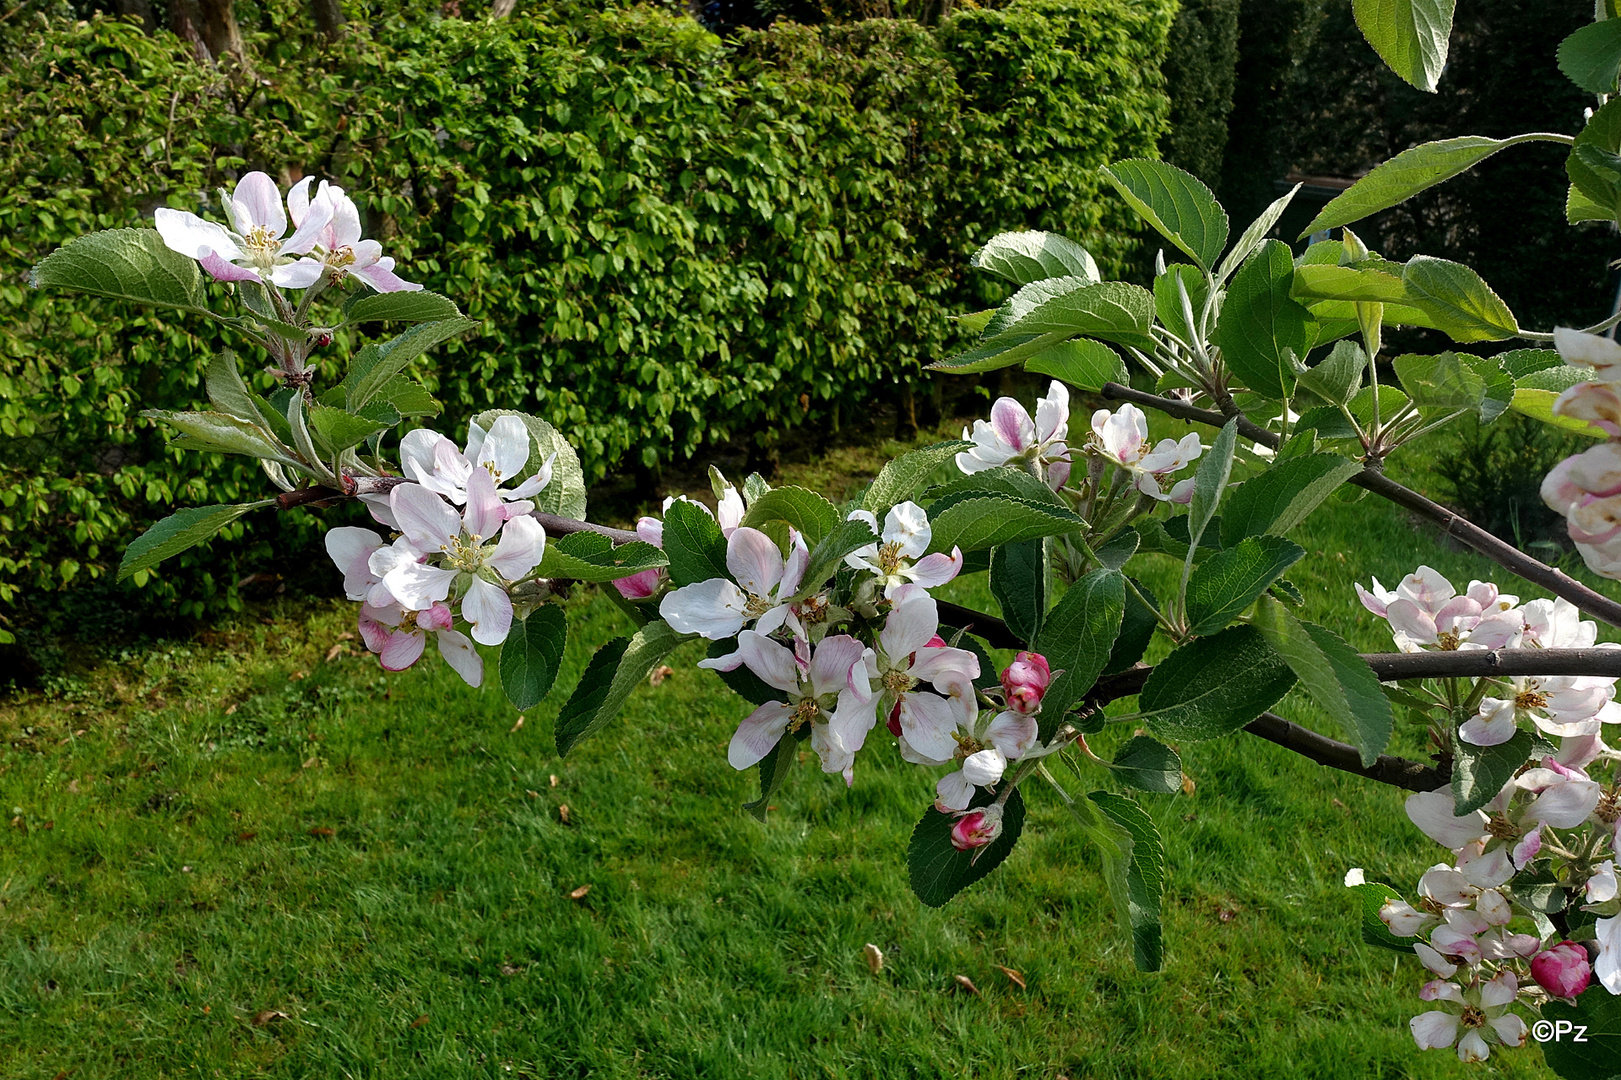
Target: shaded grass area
[261, 858]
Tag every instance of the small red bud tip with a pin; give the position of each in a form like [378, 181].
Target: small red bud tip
[977, 828]
[936, 642]
[1025, 682]
[1563, 970]
[322, 340]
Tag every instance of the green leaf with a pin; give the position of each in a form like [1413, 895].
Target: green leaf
[1210, 481]
[374, 365]
[565, 494]
[124, 264]
[1338, 376]
[1230, 581]
[1462, 303]
[774, 769]
[1119, 550]
[975, 322]
[1213, 686]
[1032, 255]
[938, 870]
[1148, 765]
[1043, 313]
[1538, 405]
[422, 306]
[1409, 35]
[1136, 629]
[1591, 57]
[1596, 1013]
[979, 523]
[1282, 497]
[1556, 379]
[801, 508]
[336, 430]
[1175, 203]
[177, 532]
[1002, 480]
[1361, 284]
[1083, 363]
[1403, 176]
[1371, 898]
[693, 544]
[826, 557]
[1168, 298]
[1594, 177]
[220, 432]
[1262, 330]
[531, 656]
[1455, 382]
[1077, 637]
[405, 397]
[226, 390]
[1479, 772]
[1520, 363]
[1019, 582]
[1333, 674]
[906, 476]
[618, 668]
[1254, 235]
[1134, 867]
[588, 556]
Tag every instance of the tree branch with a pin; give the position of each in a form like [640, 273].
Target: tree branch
[1467, 532]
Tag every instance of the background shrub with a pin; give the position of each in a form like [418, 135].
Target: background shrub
[671, 241]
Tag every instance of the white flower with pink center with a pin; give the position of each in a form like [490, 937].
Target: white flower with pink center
[1013, 438]
[1121, 437]
[765, 583]
[1479, 1015]
[906, 661]
[828, 690]
[256, 247]
[1425, 610]
[337, 239]
[398, 637]
[898, 557]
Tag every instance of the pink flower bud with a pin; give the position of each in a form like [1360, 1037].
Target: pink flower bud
[977, 828]
[640, 586]
[1025, 682]
[895, 720]
[1563, 970]
[936, 642]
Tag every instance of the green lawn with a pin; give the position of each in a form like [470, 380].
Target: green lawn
[259, 858]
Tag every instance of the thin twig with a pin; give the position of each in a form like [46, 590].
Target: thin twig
[1460, 528]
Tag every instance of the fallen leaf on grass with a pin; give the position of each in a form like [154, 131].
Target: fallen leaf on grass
[244, 837]
[321, 830]
[579, 894]
[419, 1021]
[967, 984]
[531, 794]
[347, 635]
[875, 957]
[1226, 916]
[1187, 784]
[562, 813]
[312, 762]
[554, 779]
[660, 673]
[1013, 976]
[332, 653]
[231, 711]
[516, 724]
[297, 675]
[266, 1017]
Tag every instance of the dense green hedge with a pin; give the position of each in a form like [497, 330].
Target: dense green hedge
[671, 241]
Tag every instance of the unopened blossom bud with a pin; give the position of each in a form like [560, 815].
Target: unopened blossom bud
[1563, 970]
[1025, 682]
[977, 828]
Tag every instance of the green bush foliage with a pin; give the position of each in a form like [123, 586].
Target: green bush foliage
[1200, 62]
[671, 241]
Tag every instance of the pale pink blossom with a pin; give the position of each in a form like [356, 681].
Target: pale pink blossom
[906, 660]
[433, 461]
[1012, 437]
[338, 242]
[1121, 437]
[898, 556]
[254, 248]
[765, 582]
[398, 637]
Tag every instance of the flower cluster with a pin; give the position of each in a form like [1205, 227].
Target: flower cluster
[1426, 612]
[1481, 925]
[325, 243]
[443, 563]
[1121, 438]
[1586, 487]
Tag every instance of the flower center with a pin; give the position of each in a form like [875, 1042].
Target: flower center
[967, 746]
[1447, 640]
[261, 245]
[1472, 1017]
[806, 712]
[1530, 699]
[813, 609]
[1608, 809]
[1500, 827]
[465, 553]
[338, 258]
[408, 621]
[889, 557]
[898, 682]
[755, 606]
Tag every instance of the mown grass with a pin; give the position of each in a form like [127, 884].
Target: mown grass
[263, 858]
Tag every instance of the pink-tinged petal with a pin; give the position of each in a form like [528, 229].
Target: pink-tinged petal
[484, 513]
[1403, 919]
[754, 561]
[715, 609]
[350, 549]
[1012, 733]
[1492, 726]
[418, 585]
[650, 530]
[935, 570]
[1058, 474]
[913, 620]
[1377, 602]
[1589, 350]
[220, 270]
[489, 609]
[1456, 945]
[943, 667]
[1494, 907]
[1052, 413]
[402, 649]
[192, 236]
[907, 526]
[794, 567]
[256, 195]
[833, 662]
[1566, 805]
[1500, 631]
[298, 201]
[309, 226]
[384, 280]
[757, 734]
[1489, 870]
[1408, 618]
[640, 586]
[461, 656]
[1447, 886]
[1473, 1047]
[1427, 588]
[374, 625]
[1510, 1029]
[927, 722]
[520, 549]
[505, 448]
[984, 767]
[1527, 847]
[1431, 811]
[425, 519]
[955, 792]
[1434, 960]
[298, 275]
[381, 511]
[1440, 990]
[438, 617]
[1012, 425]
[418, 450]
[836, 756]
[771, 663]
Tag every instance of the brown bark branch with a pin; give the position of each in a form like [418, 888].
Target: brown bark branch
[1505, 555]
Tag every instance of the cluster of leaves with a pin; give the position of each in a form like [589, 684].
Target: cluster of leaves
[668, 242]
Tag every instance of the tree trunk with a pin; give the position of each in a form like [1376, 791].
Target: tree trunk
[328, 17]
[219, 28]
[141, 8]
[502, 8]
[186, 21]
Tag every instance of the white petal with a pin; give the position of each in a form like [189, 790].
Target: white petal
[927, 722]
[984, 768]
[755, 561]
[298, 275]
[1012, 733]
[1473, 1047]
[913, 620]
[424, 518]
[256, 195]
[192, 236]
[1431, 811]
[520, 549]
[461, 656]
[1434, 1030]
[489, 609]
[505, 448]
[954, 791]
[757, 734]
[418, 585]
[713, 608]
[907, 526]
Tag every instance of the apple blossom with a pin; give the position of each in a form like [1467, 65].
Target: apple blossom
[253, 249]
[906, 659]
[976, 828]
[1122, 438]
[398, 636]
[719, 607]
[1011, 437]
[1563, 970]
[337, 223]
[1025, 682]
[897, 557]
[1589, 350]
[1426, 610]
[433, 461]
[983, 751]
[1480, 1011]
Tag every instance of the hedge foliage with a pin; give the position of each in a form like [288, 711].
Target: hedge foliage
[671, 241]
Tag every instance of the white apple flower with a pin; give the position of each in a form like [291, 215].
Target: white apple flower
[1481, 1013]
[906, 660]
[433, 461]
[897, 558]
[398, 637]
[1122, 438]
[719, 608]
[1426, 610]
[1012, 437]
[337, 241]
[983, 751]
[254, 248]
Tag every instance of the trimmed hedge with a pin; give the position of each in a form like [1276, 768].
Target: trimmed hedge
[671, 241]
